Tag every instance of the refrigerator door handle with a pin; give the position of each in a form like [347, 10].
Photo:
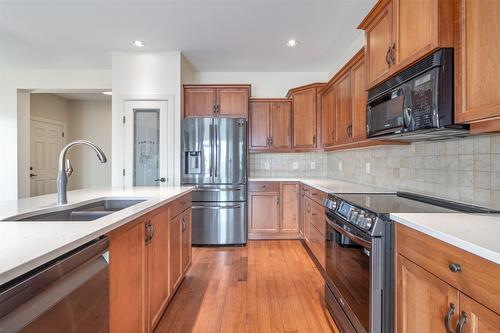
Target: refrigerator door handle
[216, 155]
[216, 207]
[211, 136]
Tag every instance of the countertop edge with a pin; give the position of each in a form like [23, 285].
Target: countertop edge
[35, 262]
[449, 239]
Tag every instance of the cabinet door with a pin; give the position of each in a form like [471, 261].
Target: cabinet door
[175, 252]
[328, 108]
[186, 222]
[359, 96]
[232, 102]
[343, 125]
[302, 211]
[479, 319]
[259, 126]
[127, 280]
[158, 267]
[289, 208]
[477, 46]
[378, 41]
[304, 119]
[281, 126]
[199, 102]
[423, 300]
[307, 219]
[264, 212]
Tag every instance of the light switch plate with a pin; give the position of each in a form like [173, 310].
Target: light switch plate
[367, 168]
[340, 166]
[295, 165]
[313, 165]
[266, 165]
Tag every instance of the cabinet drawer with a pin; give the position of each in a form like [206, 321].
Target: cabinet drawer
[318, 217]
[478, 277]
[181, 204]
[263, 187]
[317, 195]
[317, 244]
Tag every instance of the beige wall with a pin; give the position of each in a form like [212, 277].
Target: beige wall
[83, 119]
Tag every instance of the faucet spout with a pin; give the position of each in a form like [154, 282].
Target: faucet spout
[65, 169]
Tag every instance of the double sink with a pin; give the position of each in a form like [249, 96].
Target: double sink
[85, 212]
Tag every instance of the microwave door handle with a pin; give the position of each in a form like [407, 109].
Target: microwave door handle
[356, 239]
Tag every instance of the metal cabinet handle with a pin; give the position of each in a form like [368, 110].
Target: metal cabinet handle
[184, 227]
[314, 139]
[277, 200]
[447, 318]
[455, 268]
[152, 227]
[393, 51]
[462, 322]
[387, 56]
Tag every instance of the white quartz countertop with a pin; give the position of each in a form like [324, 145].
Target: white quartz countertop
[328, 185]
[477, 234]
[27, 245]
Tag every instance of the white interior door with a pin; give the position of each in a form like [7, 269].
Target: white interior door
[46, 141]
[148, 138]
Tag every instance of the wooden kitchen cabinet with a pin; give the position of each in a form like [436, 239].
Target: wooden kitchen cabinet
[399, 32]
[328, 113]
[216, 100]
[477, 46]
[264, 212]
[431, 275]
[269, 125]
[158, 266]
[314, 222]
[343, 123]
[175, 251]
[128, 279]
[186, 227]
[290, 208]
[305, 113]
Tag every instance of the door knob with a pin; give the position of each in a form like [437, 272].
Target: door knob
[32, 175]
[162, 179]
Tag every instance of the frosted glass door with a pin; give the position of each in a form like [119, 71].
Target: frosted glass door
[146, 148]
[148, 143]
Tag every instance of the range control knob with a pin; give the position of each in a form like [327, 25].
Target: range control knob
[354, 216]
[368, 222]
[360, 219]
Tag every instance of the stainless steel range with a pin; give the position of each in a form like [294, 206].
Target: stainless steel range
[359, 286]
[214, 159]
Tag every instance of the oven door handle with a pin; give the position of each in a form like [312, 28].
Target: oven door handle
[358, 240]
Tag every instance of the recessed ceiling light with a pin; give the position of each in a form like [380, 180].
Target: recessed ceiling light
[107, 93]
[138, 43]
[292, 42]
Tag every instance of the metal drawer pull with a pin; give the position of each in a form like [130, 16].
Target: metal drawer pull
[216, 207]
[451, 312]
[462, 322]
[207, 189]
[455, 268]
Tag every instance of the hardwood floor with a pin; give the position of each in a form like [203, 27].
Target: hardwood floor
[267, 286]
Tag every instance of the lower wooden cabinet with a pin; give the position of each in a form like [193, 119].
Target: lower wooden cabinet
[273, 210]
[314, 223]
[441, 288]
[148, 260]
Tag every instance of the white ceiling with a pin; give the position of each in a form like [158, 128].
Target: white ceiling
[213, 35]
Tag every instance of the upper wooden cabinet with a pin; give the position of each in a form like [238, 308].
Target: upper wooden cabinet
[269, 125]
[477, 46]
[399, 32]
[328, 108]
[216, 100]
[359, 97]
[343, 123]
[305, 114]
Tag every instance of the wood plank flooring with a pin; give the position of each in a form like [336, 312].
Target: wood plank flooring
[267, 286]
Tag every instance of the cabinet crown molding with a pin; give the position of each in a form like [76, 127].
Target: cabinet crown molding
[372, 15]
[305, 87]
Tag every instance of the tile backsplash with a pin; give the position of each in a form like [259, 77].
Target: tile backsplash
[466, 169]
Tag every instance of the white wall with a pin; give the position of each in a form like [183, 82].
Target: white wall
[50, 106]
[264, 84]
[89, 120]
[144, 76]
[12, 121]
[348, 53]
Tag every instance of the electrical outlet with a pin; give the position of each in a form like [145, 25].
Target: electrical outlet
[313, 165]
[367, 168]
[295, 165]
[340, 166]
[266, 165]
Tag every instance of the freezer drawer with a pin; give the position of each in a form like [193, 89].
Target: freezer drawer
[219, 223]
[207, 193]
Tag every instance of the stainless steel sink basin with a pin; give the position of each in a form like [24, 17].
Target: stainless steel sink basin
[86, 212]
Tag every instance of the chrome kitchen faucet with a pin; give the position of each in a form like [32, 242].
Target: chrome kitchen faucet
[65, 170]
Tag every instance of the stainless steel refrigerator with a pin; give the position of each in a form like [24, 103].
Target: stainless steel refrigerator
[214, 159]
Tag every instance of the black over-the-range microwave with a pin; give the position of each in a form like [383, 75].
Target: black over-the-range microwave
[417, 103]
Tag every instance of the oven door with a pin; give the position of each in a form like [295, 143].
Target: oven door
[348, 271]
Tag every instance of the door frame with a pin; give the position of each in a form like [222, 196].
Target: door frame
[166, 106]
[49, 121]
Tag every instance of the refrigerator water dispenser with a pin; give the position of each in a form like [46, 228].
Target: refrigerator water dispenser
[193, 162]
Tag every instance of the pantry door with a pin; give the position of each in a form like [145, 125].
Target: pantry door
[46, 141]
[148, 138]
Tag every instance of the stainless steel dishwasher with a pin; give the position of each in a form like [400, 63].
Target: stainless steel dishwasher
[68, 294]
